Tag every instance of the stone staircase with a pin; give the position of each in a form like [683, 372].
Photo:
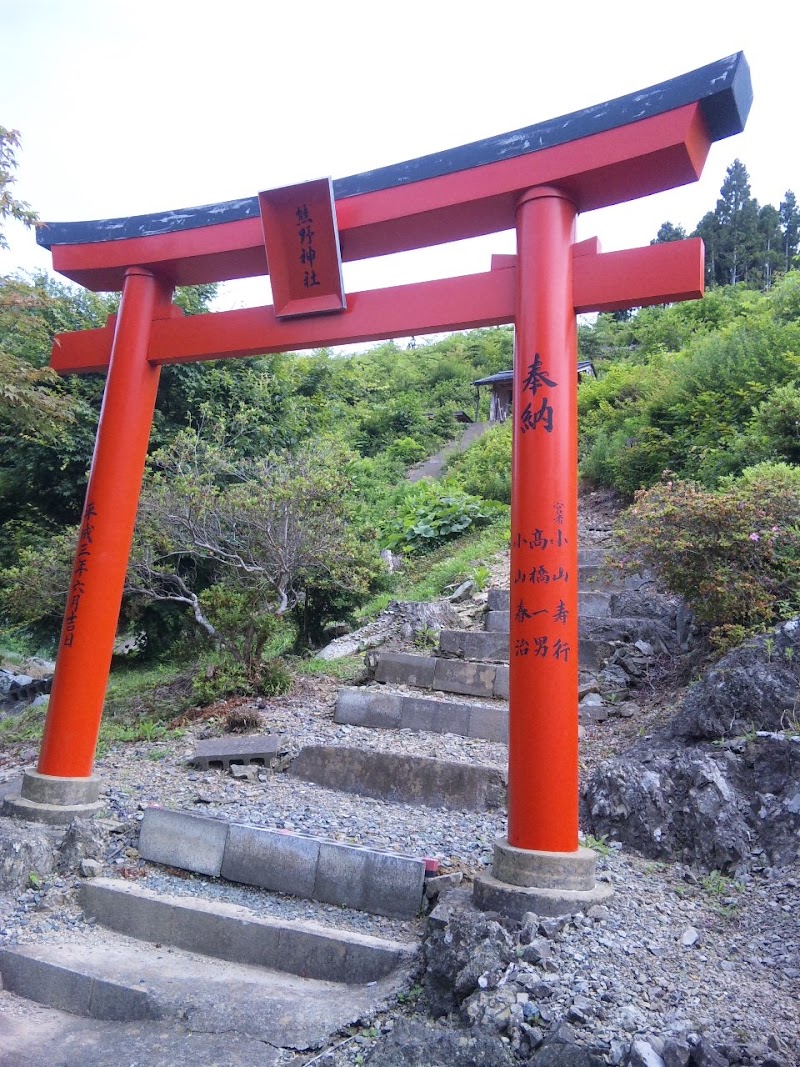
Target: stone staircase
[474, 664]
[175, 956]
[175, 964]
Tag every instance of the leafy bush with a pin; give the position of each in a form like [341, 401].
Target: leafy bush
[431, 512]
[732, 553]
[225, 675]
[484, 469]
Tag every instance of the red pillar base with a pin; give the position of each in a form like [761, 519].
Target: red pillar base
[547, 883]
[56, 801]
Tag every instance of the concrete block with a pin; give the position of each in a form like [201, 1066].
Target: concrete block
[435, 716]
[283, 863]
[399, 778]
[481, 645]
[393, 885]
[366, 707]
[501, 682]
[459, 676]
[490, 723]
[497, 621]
[192, 842]
[405, 668]
[223, 751]
[341, 875]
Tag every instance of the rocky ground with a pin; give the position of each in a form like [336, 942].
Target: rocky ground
[682, 966]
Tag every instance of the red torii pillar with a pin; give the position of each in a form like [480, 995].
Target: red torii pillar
[539, 186]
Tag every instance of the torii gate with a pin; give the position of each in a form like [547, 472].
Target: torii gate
[535, 179]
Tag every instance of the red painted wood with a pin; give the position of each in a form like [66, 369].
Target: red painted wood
[644, 157]
[543, 700]
[405, 310]
[637, 277]
[633, 278]
[302, 240]
[112, 496]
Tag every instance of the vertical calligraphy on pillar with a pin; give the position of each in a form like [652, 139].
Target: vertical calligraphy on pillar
[79, 573]
[541, 571]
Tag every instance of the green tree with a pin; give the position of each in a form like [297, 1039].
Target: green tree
[737, 213]
[669, 232]
[790, 226]
[771, 243]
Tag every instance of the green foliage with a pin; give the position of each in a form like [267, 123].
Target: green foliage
[429, 513]
[733, 553]
[224, 675]
[484, 469]
[10, 206]
[725, 400]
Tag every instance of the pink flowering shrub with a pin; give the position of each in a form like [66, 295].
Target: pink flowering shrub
[732, 553]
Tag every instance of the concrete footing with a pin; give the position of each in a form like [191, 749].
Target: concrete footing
[547, 883]
[56, 801]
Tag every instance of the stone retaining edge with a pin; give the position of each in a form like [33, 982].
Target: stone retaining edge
[367, 880]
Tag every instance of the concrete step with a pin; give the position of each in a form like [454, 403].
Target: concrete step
[403, 711]
[391, 776]
[364, 879]
[213, 967]
[483, 647]
[489, 646]
[597, 603]
[447, 675]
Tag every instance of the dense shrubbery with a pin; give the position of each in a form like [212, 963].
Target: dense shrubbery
[428, 513]
[724, 398]
[733, 552]
[485, 468]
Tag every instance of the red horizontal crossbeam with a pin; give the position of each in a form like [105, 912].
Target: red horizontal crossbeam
[634, 160]
[636, 277]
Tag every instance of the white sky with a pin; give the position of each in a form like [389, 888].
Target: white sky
[132, 106]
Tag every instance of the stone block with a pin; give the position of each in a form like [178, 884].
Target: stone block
[366, 707]
[497, 622]
[594, 602]
[223, 751]
[501, 682]
[405, 668]
[490, 723]
[460, 676]
[481, 645]
[192, 842]
[407, 779]
[498, 600]
[436, 716]
[393, 885]
[282, 863]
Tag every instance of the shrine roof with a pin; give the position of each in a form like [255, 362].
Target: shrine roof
[722, 89]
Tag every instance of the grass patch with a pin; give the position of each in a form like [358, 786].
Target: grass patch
[345, 669]
[27, 726]
[426, 577]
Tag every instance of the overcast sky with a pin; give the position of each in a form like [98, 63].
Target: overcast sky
[130, 107]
